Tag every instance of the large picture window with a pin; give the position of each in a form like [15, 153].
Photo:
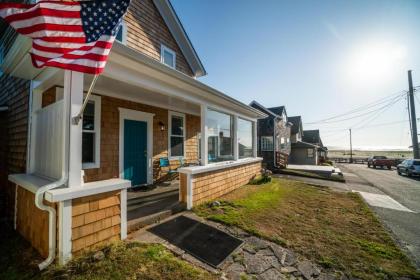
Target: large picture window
[176, 134]
[220, 136]
[245, 138]
[91, 133]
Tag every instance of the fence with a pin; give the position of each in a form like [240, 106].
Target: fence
[281, 159]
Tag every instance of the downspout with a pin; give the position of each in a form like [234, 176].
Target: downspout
[52, 215]
[52, 218]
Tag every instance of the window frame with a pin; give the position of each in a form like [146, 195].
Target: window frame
[97, 131]
[252, 136]
[310, 153]
[124, 33]
[264, 147]
[184, 131]
[164, 48]
[233, 131]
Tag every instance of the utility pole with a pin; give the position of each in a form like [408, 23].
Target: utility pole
[351, 148]
[416, 152]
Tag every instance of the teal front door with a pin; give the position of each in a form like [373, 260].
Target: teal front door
[135, 152]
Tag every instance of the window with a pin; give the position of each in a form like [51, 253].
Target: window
[310, 153]
[176, 134]
[267, 143]
[282, 143]
[245, 138]
[168, 56]
[220, 136]
[91, 133]
[122, 33]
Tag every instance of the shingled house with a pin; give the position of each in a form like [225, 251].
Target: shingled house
[307, 147]
[274, 144]
[65, 185]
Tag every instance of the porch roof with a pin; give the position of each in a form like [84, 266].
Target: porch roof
[132, 68]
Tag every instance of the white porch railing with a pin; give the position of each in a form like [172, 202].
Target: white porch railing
[48, 150]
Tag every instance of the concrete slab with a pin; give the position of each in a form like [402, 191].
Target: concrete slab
[315, 168]
[383, 201]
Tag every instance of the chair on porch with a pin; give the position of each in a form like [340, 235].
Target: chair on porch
[165, 163]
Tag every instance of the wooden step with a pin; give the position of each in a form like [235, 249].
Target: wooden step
[135, 224]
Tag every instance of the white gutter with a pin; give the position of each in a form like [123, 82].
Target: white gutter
[52, 215]
[52, 219]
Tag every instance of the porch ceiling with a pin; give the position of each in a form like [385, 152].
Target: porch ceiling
[118, 89]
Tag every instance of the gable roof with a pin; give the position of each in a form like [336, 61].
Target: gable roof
[175, 26]
[300, 144]
[278, 110]
[297, 124]
[312, 136]
[260, 107]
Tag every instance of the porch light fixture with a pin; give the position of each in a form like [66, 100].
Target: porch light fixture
[162, 126]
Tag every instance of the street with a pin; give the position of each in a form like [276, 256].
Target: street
[395, 199]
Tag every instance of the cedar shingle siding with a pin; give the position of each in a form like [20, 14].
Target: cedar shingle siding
[147, 31]
[14, 93]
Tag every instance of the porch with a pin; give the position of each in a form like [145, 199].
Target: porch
[141, 112]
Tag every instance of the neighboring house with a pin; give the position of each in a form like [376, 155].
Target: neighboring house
[307, 147]
[296, 131]
[273, 136]
[65, 184]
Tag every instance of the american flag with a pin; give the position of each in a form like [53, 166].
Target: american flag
[73, 35]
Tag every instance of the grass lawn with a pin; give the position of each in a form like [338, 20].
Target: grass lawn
[122, 261]
[336, 230]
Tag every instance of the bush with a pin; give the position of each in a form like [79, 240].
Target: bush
[264, 178]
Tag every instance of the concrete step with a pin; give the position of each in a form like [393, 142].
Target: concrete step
[137, 223]
[151, 197]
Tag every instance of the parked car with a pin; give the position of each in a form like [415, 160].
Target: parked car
[409, 167]
[380, 161]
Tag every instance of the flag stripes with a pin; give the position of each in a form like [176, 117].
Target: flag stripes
[72, 35]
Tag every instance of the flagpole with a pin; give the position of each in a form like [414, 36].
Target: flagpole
[76, 119]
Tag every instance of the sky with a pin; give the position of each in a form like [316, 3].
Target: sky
[318, 58]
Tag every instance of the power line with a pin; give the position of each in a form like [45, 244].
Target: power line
[390, 102]
[362, 108]
[374, 117]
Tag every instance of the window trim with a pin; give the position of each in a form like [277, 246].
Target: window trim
[263, 147]
[164, 48]
[233, 132]
[252, 136]
[124, 34]
[97, 122]
[177, 114]
[310, 154]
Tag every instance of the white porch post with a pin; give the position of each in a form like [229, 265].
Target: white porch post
[73, 99]
[73, 95]
[255, 138]
[204, 138]
[235, 138]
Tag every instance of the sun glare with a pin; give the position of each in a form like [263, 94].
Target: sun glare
[374, 61]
